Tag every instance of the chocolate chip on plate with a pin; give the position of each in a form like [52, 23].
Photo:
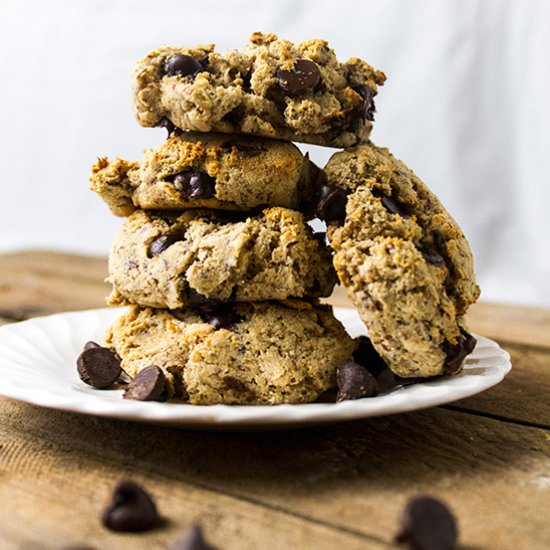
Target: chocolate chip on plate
[131, 510]
[331, 204]
[182, 65]
[303, 77]
[354, 382]
[149, 385]
[97, 366]
[427, 524]
[193, 184]
[193, 540]
[162, 242]
[457, 352]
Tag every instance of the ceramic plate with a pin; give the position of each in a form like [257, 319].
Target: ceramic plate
[37, 365]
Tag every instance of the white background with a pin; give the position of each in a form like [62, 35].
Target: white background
[466, 105]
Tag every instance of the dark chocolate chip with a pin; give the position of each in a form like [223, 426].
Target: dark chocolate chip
[90, 345]
[161, 243]
[354, 381]
[194, 184]
[457, 352]
[432, 256]
[193, 540]
[182, 65]
[98, 367]
[167, 124]
[149, 385]
[367, 110]
[304, 77]
[392, 205]
[194, 298]
[221, 316]
[368, 357]
[331, 203]
[427, 524]
[386, 381]
[131, 509]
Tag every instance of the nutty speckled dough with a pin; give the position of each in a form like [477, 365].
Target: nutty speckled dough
[274, 354]
[410, 276]
[271, 256]
[240, 92]
[248, 173]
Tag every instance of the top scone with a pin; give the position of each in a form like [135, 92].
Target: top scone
[270, 88]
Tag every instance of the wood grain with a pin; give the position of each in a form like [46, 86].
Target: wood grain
[339, 486]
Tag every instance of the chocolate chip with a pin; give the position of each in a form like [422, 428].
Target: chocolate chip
[182, 65]
[149, 385]
[331, 203]
[194, 298]
[354, 381]
[432, 256]
[457, 352]
[161, 243]
[386, 381]
[131, 509]
[367, 109]
[98, 367]
[193, 540]
[194, 184]
[167, 124]
[221, 316]
[427, 524]
[304, 77]
[392, 205]
[90, 345]
[368, 357]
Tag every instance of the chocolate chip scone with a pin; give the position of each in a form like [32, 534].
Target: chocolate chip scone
[404, 261]
[270, 88]
[217, 171]
[245, 353]
[173, 261]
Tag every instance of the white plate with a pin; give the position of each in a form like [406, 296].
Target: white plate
[37, 365]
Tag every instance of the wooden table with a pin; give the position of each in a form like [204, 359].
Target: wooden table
[338, 486]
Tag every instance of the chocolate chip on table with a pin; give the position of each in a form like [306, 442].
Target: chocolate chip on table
[182, 65]
[193, 540]
[331, 203]
[354, 382]
[303, 77]
[432, 256]
[131, 510]
[193, 184]
[457, 352]
[367, 93]
[149, 385]
[427, 524]
[162, 242]
[97, 366]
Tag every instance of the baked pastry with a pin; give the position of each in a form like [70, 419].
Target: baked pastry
[219, 171]
[404, 261]
[270, 88]
[167, 261]
[245, 353]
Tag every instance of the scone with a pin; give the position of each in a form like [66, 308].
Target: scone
[404, 261]
[270, 88]
[165, 261]
[217, 171]
[246, 353]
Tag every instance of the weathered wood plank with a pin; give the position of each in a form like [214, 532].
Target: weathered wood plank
[356, 476]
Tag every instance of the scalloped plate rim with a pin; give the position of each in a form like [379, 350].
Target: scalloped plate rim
[493, 361]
